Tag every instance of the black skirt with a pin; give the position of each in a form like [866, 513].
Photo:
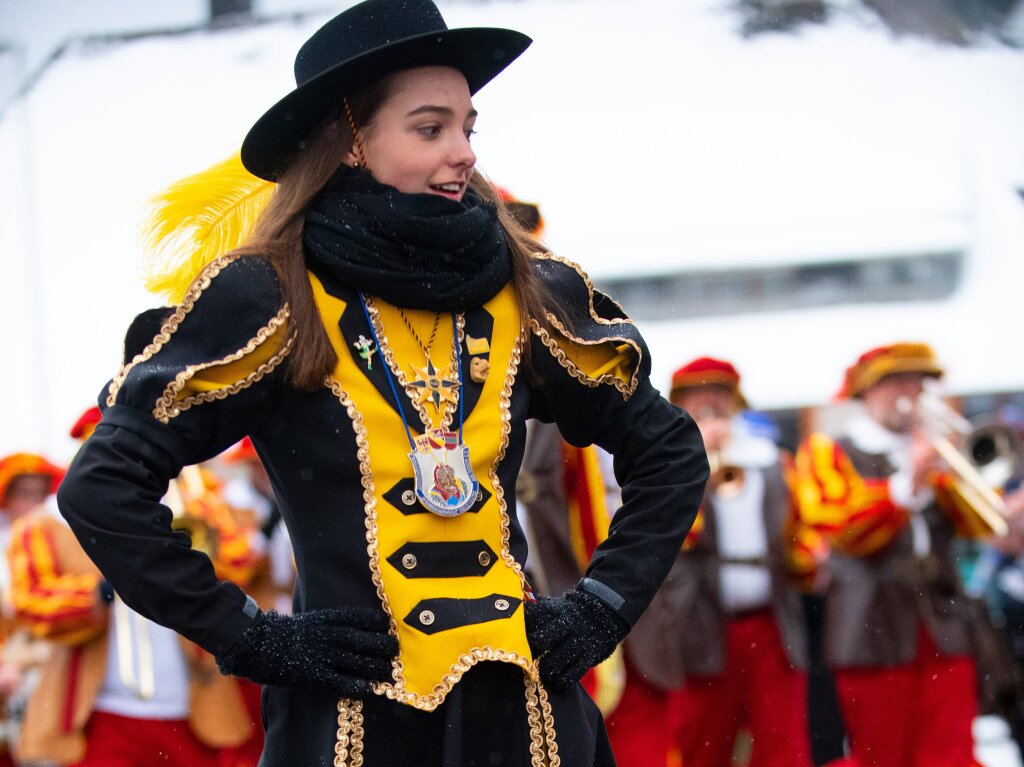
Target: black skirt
[483, 722]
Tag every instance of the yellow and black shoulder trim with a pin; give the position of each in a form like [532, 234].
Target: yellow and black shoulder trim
[589, 334]
[229, 332]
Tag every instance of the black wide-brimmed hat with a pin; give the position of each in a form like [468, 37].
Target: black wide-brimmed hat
[360, 46]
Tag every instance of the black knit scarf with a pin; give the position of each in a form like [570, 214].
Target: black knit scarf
[418, 251]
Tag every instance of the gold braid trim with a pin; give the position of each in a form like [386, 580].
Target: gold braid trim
[389, 357]
[543, 744]
[590, 289]
[559, 354]
[348, 748]
[166, 407]
[370, 506]
[201, 283]
[545, 337]
[466, 661]
[506, 430]
[533, 719]
[554, 760]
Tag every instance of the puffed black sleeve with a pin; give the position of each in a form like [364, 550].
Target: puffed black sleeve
[210, 369]
[593, 368]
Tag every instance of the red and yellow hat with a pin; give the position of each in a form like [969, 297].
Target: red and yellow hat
[526, 213]
[875, 364]
[22, 464]
[86, 424]
[241, 451]
[705, 371]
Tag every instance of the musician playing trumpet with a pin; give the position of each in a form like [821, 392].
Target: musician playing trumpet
[723, 645]
[898, 624]
[117, 688]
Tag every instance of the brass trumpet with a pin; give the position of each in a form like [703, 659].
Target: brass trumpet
[726, 479]
[988, 459]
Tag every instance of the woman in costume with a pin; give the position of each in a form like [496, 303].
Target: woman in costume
[382, 337]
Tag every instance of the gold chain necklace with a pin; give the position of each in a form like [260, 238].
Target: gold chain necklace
[439, 388]
[443, 479]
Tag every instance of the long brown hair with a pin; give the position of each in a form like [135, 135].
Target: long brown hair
[278, 237]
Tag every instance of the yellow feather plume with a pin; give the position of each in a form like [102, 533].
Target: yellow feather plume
[197, 219]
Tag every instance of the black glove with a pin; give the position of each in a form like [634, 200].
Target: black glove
[571, 634]
[338, 651]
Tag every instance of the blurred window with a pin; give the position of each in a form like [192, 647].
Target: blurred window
[931, 276]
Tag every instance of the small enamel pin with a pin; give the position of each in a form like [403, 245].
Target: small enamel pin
[478, 369]
[366, 350]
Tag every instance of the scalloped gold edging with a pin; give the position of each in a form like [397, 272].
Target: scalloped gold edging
[559, 354]
[166, 408]
[554, 760]
[202, 282]
[548, 256]
[369, 504]
[543, 744]
[506, 429]
[348, 748]
[466, 661]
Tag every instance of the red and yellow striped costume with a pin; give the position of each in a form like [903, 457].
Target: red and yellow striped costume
[588, 526]
[585, 493]
[52, 603]
[55, 590]
[856, 515]
[60, 604]
[806, 548]
[234, 560]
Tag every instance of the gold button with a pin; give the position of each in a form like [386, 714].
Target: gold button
[409, 561]
[426, 617]
[484, 558]
[501, 604]
[409, 498]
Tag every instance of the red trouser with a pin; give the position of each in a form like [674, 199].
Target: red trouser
[247, 754]
[758, 691]
[119, 741]
[638, 728]
[916, 715]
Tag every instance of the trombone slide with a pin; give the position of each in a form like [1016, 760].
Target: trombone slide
[987, 503]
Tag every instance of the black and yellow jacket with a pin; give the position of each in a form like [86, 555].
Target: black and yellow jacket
[453, 587]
